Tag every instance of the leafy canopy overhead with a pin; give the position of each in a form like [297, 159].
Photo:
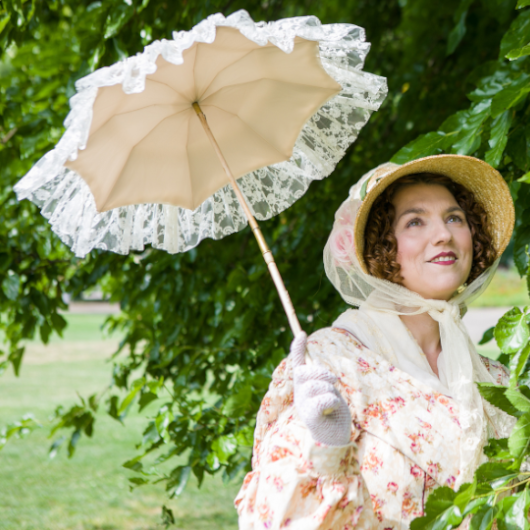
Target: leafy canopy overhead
[205, 329]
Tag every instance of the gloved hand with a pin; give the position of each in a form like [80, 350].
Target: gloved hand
[317, 401]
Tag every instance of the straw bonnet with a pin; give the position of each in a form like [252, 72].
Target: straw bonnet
[486, 183]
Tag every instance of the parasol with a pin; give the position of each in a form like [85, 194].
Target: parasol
[199, 135]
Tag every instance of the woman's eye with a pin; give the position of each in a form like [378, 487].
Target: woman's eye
[414, 222]
[455, 218]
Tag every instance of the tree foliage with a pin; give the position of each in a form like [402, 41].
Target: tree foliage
[204, 330]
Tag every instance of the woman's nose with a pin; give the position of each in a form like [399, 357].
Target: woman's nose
[441, 233]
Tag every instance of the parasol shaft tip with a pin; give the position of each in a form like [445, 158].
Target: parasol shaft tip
[197, 108]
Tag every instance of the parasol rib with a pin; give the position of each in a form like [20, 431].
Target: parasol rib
[267, 254]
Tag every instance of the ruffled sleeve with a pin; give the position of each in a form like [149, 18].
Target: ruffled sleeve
[297, 483]
[497, 370]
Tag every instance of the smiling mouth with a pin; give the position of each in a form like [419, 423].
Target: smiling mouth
[444, 260]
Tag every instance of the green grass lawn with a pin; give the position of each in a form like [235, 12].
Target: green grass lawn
[83, 327]
[89, 491]
[506, 289]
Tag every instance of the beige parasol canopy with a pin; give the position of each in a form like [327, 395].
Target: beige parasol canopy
[151, 148]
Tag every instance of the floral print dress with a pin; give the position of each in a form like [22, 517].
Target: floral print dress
[404, 443]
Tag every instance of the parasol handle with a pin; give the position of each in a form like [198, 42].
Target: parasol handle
[267, 254]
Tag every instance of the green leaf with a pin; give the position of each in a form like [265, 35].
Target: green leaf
[59, 323]
[118, 48]
[3, 22]
[495, 394]
[465, 493]
[117, 18]
[475, 505]
[155, 385]
[488, 335]
[134, 464]
[18, 429]
[363, 189]
[162, 421]
[213, 461]
[505, 505]
[138, 481]
[167, 516]
[135, 388]
[525, 178]
[224, 447]
[150, 434]
[468, 139]
[511, 332]
[237, 404]
[54, 448]
[497, 449]
[11, 286]
[178, 480]
[518, 363]
[511, 95]
[518, 34]
[517, 516]
[144, 4]
[145, 399]
[464, 127]
[522, 240]
[523, 3]
[112, 410]
[483, 519]
[72, 444]
[458, 32]
[245, 437]
[518, 400]
[95, 58]
[3, 366]
[428, 144]
[15, 358]
[498, 138]
[438, 509]
[520, 437]
[5, 261]
[492, 471]
[450, 518]
[519, 52]
[93, 402]
[490, 78]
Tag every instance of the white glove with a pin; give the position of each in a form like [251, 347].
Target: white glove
[317, 401]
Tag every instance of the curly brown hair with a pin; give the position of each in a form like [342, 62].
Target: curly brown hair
[380, 250]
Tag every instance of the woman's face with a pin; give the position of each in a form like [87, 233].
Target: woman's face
[435, 248]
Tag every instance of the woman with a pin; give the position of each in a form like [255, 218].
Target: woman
[386, 408]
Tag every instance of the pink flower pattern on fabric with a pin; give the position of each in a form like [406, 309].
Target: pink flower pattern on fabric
[405, 444]
[342, 244]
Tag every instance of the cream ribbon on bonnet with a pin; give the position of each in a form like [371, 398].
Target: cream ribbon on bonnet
[378, 326]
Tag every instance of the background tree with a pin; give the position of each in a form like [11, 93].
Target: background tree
[205, 329]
